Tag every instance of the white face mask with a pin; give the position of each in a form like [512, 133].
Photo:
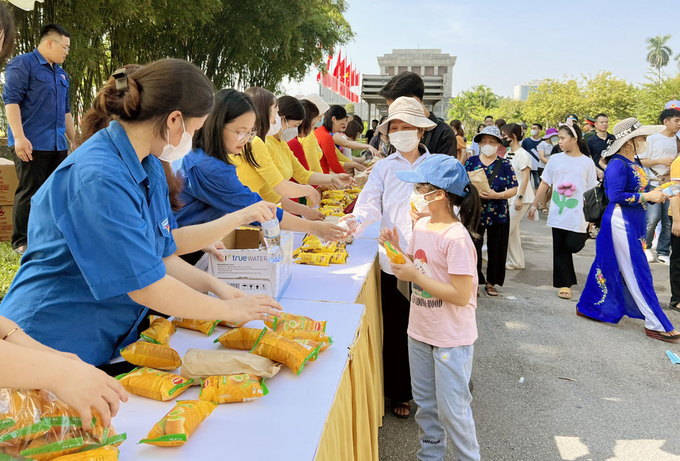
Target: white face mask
[489, 150]
[419, 201]
[289, 133]
[405, 141]
[276, 127]
[173, 153]
[534, 132]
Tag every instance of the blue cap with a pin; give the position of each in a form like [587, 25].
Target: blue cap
[441, 171]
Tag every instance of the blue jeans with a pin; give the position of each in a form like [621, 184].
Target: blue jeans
[659, 212]
[439, 378]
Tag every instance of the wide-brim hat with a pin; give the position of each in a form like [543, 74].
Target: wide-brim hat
[318, 102]
[491, 131]
[628, 129]
[407, 110]
[550, 132]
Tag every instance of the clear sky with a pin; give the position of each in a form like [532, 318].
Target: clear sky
[506, 43]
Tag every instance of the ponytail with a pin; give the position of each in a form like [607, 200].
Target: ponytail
[470, 208]
[575, 130]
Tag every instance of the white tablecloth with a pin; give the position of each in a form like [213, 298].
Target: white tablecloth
[284, 425]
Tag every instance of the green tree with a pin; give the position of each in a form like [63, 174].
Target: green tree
[659, 53]
[471, 106]
[606, 93]
[552, 101]
[652, 98]
[510, 110]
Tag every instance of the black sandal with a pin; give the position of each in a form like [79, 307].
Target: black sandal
[399, 406]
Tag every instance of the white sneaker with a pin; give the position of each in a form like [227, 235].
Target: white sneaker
[664, 259]
[650, 256]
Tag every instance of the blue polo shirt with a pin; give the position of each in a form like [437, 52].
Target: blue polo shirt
[99, 228]
[211, 189]
[597, 145]
[41, 91]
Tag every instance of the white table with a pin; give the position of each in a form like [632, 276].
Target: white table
[339, 283]
[286, 424]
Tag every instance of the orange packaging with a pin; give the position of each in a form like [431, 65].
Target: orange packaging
[177, 426]
[288, 325]
[314, 335]
[232, 388]
[151, 355]
[239, 338]
[204, 326]
[159, 331]
[154, 384]
[283, 350]
[227, 324]
[105, 453]
[395, 256]
[285, 316]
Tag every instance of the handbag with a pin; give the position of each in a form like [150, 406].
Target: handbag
[479, 179]
[595, 201]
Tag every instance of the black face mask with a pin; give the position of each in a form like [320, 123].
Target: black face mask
[505, 143]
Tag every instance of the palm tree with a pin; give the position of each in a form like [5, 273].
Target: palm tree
[659, 53]
[677, 58]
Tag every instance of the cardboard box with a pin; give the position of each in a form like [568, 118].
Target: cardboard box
[8, 182]
[6, 223]
[246, 266]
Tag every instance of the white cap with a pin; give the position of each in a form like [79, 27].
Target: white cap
[318, 102]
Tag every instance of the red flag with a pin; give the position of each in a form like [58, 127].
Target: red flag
[338, 64]
[328, 64]
[348, 76]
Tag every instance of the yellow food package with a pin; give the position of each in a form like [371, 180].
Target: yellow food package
[154, 384]
[232, 388]
[105, 453]
[239, 338]
[353, 190]
[314, 335]
[204, 326]
[283, 316]
[283, 350]
[177, 426]
[159, 331]
[339, 257]
[293, 324]
[225, 323]
[151, 355]
[18, 409]
[330, 202]
[395, 256]
[310, 238]
[314, 259]
[48, 447]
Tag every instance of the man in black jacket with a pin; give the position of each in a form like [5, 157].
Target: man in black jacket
[441, 139]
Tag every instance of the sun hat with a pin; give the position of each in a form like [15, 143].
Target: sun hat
[550, 132]
[491, 131]
[318, 102]
[440, 170]
[675, 104]
[407, 110]
[629, 128]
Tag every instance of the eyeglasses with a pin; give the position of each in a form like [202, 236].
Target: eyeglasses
[66, 48]
[241, 137]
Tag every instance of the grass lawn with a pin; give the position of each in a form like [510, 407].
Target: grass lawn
[9, 265]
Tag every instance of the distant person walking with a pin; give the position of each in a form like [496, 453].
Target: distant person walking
[36, 95]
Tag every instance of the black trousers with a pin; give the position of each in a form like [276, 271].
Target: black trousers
[675, 269]
[395, 309]
[497, 249]
[31, 176]
[565, 245]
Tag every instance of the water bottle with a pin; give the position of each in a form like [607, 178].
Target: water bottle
[350, 224]
[272, 238]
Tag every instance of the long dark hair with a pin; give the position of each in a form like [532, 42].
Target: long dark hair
[311, 112]
[8, 31]
[291, 108]
[582, 144]
[513, 129]
[262, 101]
[336, 111]
[229, 105]
[470, 207]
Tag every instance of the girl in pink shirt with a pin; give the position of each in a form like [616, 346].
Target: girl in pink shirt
[442, 267]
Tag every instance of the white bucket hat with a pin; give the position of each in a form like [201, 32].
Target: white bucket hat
[629, 128]
[407, 110]
[318, 102]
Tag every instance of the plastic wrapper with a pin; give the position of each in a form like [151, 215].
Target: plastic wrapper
[292, 324]
[232, 388]
[239, 338]
[159, 332]
[395, 256]
[177, 426]
[283, 316]
[283, 350]
[318, 336]
[151, 355]
[314, 259]
[204, 326]
[154, 384]
[199, 363]
[36, 425]
[339, 257]
[227, 324]
[105, 453]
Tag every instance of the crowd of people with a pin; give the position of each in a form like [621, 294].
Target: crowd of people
[164, 166]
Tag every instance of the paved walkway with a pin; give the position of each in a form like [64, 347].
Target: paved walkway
[589, 391]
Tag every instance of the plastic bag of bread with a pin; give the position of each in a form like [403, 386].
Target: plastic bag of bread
[204, 326]
[199, 363]
[154, 384]
[151, 355]
[283, 350]
[339, 257]
[314, 259]
[314, 335]
[239, 338]
[232, 388]
[225, 323]
[105, 453]
[283, 316]
[159, 331]
[177, 426]
[291, 324]
[48, 447]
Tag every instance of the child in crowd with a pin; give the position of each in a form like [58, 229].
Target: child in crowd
[442, 266]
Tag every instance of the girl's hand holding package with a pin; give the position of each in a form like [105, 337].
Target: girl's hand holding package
[389, 235]
[406, 272]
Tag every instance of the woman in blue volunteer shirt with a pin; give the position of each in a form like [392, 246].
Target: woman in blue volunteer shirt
[211, 187]
[100, 247]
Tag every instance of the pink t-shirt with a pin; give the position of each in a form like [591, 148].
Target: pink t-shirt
[438, 254]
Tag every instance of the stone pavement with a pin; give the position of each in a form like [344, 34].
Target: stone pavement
[549, 385]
